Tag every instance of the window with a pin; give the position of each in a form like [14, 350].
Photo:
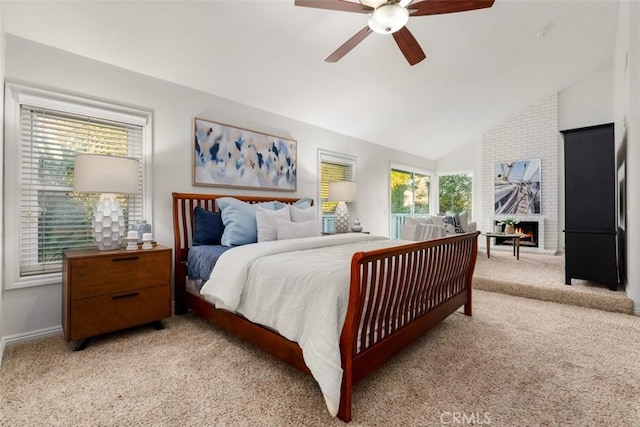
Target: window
[410, 192]
[333, 167]
[455, 193]
[44, 132]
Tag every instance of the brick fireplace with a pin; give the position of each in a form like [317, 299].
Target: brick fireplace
[530, 229]
[530, 134]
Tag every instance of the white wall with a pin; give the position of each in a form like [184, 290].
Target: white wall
[627, 130]
[174, 107]
[2, 68]
[588, 102]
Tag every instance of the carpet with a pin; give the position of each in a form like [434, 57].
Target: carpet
[516, 361]
[542, 277]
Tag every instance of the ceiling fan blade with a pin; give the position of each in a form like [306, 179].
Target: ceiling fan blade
[409, 46]
[349, 44]
[437, 7]
[341, 5]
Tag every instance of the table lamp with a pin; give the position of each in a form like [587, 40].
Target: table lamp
[341, 192]
[108, 175]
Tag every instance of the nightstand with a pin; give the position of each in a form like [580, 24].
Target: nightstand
[104, 291]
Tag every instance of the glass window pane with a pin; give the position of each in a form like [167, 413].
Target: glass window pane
[455, 193]
[421, 187]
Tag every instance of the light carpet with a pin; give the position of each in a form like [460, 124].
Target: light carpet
[515, 362]
[542, 277]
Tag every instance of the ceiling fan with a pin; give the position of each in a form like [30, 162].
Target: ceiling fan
[390, 17]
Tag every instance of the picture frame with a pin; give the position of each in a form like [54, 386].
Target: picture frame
[517, 187]
[228, 156]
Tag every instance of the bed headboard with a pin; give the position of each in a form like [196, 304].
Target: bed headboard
[183, 217]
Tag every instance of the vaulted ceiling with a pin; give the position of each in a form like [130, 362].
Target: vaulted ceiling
[482, 66]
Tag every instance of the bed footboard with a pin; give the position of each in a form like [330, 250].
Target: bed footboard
[396, 295]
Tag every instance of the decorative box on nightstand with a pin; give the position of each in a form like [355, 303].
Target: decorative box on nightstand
[104, 291]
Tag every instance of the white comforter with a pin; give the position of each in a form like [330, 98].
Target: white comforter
[298, 287]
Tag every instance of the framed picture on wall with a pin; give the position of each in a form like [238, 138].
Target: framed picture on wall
[228, 156]
[517, 187]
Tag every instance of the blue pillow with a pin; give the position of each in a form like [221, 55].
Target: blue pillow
[207, 227]
[239, 219]
[303, 203]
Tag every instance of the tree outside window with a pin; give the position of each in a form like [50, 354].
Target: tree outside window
[455, 193]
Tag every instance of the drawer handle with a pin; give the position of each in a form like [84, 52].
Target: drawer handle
[131, 258]
[129, 295]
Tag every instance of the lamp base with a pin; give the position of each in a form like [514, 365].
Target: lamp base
[342, 218]
[108, 223]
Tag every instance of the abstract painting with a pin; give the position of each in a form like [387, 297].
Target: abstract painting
[517, 187]
[227, 156]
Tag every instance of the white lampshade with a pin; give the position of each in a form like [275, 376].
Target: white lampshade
[98, 173]
[342, 191]
[388, 18]
[109, 175]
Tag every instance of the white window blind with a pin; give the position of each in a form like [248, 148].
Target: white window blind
[52, 216]
[334, 168]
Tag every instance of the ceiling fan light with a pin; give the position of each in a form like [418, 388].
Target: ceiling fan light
[373, 3]
[388, 18]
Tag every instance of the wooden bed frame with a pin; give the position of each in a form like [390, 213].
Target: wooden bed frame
[396, 295]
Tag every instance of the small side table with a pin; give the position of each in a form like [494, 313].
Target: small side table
[515, 239]
[104, 291]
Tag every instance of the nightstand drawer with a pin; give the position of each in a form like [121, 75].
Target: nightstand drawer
[120, 272]
[98, 315]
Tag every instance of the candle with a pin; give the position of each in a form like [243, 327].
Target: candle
[132, 234]
[146, 236]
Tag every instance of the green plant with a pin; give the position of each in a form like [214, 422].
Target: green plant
[509, 221]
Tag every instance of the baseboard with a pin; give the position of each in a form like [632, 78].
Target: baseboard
[31, 335]
[1, 350]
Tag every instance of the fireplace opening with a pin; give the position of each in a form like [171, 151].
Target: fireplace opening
[527, 229]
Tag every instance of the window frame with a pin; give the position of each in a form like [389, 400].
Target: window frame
[16, 95]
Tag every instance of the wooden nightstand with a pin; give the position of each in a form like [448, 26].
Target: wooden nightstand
[103, 291]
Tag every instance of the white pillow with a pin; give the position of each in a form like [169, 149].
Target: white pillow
[266, 222]
[296, 230]
[464, 222]
[412, 220]
[437, 220]
[302, 215]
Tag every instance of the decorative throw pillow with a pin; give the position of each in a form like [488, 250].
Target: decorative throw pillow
[239, 219]
[437, 220]
[464, 223]
[266, 222]
[207, 227]
[413, 220]
[303, 203]
[302, 215]
[454, 221]
[296, 230]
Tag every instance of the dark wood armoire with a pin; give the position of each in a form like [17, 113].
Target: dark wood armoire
[590, 205]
